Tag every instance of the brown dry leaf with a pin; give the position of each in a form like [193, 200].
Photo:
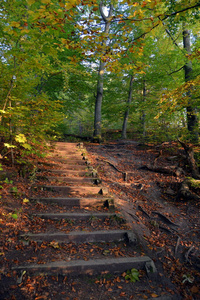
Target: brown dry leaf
[120, 287]
[194, 289]
[109, 290]
[145, 297]
[118, 279]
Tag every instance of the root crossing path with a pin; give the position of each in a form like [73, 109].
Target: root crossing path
[79, 238]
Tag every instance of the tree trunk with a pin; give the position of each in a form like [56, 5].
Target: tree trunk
[143, 117]
[125, 123]
[98, 103]
[192, 122]
[99, 96]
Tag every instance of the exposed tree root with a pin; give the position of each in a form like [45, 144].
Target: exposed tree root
[164, 218]
[173, 170]
[185, 190]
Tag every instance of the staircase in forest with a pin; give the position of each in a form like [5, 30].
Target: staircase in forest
[76, 227]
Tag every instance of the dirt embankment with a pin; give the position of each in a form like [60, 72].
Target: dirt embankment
[168, 227]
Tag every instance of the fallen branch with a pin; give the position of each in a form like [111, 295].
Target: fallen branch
[188, 252]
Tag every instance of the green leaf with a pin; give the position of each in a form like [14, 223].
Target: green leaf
[27, 146]
[14, 216]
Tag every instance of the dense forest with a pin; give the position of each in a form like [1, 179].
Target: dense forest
[89, 67]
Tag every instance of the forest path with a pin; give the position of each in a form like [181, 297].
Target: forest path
[80, 232]
[85, 227]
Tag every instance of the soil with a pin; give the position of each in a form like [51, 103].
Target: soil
[168, 230]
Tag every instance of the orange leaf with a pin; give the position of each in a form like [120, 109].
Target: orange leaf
[122, 294]
[154, 295]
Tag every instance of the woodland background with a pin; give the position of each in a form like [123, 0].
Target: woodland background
[87, 68]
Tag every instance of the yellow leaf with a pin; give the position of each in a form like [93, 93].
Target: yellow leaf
[15, 24]
[25, 30]
[30, 2]
[54, 244]
[64, 41]
[25, 200]
[20, 138]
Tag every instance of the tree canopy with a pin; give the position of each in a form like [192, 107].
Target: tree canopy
[52, 53]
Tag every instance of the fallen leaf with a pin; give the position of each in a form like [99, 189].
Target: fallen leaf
[25, 200]
[194, 289]
[154, 295]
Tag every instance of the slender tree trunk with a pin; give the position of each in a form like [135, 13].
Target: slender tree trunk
[192, 122]
[143, 117]
[98, 103]
[99, 96]
[126, 114]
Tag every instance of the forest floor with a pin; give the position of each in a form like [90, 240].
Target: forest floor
[168, 229]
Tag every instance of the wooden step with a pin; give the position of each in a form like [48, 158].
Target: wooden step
[70, 161]
[84, 237]
[87, 172]
[78, 216]
[77, 201]
[89, 267]
[69, 180]
[71, 190]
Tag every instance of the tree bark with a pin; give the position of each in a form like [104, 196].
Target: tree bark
[126, 114]
[192, 122]
[143, 117]
[99, 96]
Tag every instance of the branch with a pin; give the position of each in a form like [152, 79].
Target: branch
[176, 71]
[106, 19]
[168, 32]
[182, 10]
[161, 19]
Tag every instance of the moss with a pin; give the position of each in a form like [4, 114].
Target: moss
[193, 183]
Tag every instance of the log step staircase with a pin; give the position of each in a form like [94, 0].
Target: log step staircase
[78, 192]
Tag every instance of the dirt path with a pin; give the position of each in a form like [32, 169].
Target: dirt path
[67, 222]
